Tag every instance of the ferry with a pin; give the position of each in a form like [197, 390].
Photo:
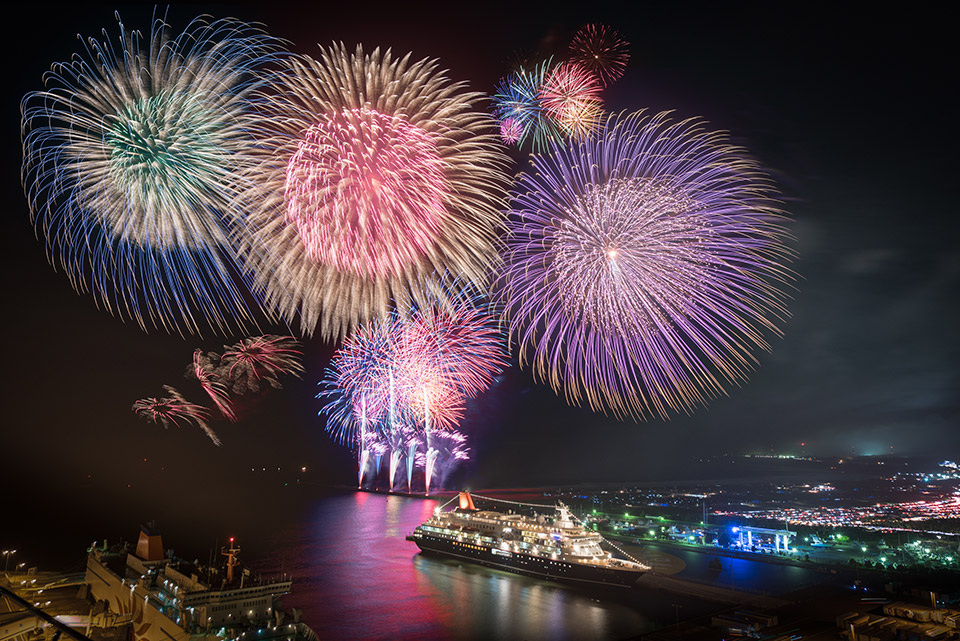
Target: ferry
[546, 546]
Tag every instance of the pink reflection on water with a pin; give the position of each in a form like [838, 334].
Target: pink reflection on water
[357, 577]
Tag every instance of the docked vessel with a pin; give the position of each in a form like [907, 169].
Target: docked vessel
[154, 596]
[553, 547]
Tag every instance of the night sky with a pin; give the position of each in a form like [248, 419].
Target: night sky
[849, 111]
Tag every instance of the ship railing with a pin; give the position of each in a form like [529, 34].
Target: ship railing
[573, 517]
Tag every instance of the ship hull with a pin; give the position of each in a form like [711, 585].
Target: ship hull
[540, 567]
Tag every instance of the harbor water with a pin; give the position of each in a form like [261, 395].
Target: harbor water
[355, 575]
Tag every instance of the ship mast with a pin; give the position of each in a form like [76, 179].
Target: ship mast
[231, 554]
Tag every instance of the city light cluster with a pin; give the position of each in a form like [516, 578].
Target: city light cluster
[886, 516]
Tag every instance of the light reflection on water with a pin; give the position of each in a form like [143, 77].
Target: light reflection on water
[356, 577]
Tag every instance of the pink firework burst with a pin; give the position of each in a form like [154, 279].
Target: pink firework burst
[601, 50]
[461, 342]
[261, 359]
[205, 371]
[174, 409]
[365, 191]
[571, 96]
[374, 174]
[511, 131]
[428, 395]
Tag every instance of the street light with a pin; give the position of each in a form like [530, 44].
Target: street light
[7, 554]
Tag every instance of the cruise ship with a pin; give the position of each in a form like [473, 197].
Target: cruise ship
[552, 547]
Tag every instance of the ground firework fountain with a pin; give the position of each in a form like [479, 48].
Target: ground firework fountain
[402, 384]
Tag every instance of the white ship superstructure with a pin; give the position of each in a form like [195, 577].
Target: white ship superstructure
[548, 546]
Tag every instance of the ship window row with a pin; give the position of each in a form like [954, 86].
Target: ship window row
[455, 533]
[246, 592]
[472, 547]
[234, 605]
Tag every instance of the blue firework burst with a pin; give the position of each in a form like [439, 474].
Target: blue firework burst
[130, 163]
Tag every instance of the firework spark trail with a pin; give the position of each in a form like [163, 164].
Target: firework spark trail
[375, 174]
[261, 359]
[173, 409]
[130, 167]
[204, 369]
[355, 388]
[600, 50]
[447, 449]
[644, 266]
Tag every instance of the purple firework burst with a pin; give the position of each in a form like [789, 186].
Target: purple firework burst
[645, 266]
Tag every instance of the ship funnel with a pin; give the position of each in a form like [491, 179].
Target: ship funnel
[466, 502]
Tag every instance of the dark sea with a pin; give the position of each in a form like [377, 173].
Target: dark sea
[357, 577]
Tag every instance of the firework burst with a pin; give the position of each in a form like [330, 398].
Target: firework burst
[570, 95]
[260, 360]
[459, 339]
[644, 266]
[357, 385]
[205, 369]
[601, 50]
[407, 378]
[375, 173]
[511, 131]
[174, 409]
[130, 164]
[518, 108]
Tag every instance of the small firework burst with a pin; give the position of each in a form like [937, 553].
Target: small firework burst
[571, 96]
[130, 165]
[645, 266]
[358, 384]
[375, 174]
[259, 360]
[511, 131]
[204, 370]
[174, 409]
[517, 97]
[413, 370]
[601, 50]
